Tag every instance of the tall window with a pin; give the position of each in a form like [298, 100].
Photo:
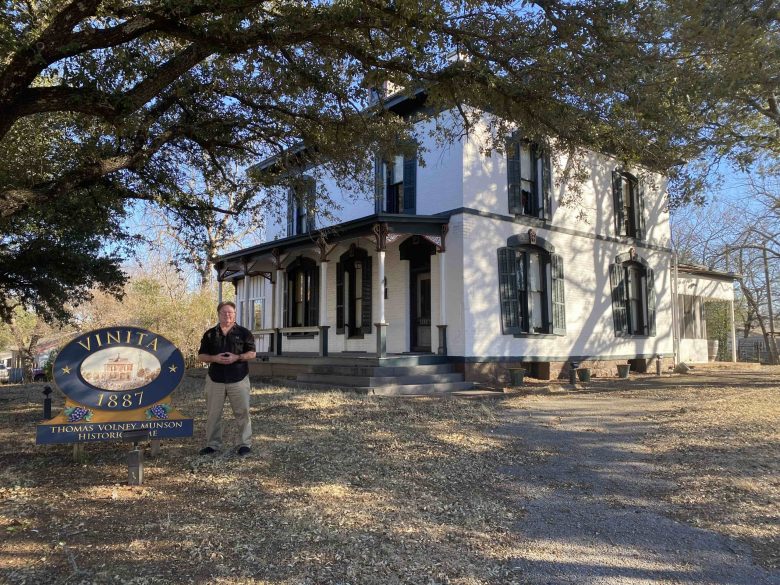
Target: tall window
[252, 317]
[301, 307]
[633, 298]
[628, 196]
[528, 179]
[396, 185]
[693, 320]
[531, 291]
[301, 200]
[353, 293]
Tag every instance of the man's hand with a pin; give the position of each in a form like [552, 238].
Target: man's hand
[227, 358]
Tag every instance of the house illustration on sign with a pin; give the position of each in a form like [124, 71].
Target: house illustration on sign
[118, 369]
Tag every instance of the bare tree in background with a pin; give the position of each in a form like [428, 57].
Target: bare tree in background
[742, 235]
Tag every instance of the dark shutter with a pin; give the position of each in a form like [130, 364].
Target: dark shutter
[379, 190]
[619, 300]
[650, 302]
[558, 300]
[546, 185]
[314, 296]
[617, 196]
[513, 177]
[286, 300]
[311, 198]
[290, 212]
[640, 210]
[391, 199]
[339, 297]
[366, 284]
[507, 291]
[410, 184]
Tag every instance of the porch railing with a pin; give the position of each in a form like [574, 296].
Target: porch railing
[276, 334]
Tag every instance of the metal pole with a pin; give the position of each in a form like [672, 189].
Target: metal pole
[47, 402]
[733, 333]
[772, 346]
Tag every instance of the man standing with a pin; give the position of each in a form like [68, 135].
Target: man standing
[227, 348]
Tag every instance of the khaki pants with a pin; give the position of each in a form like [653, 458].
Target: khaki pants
[238, 394]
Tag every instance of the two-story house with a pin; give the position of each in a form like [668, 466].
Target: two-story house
[468, 260]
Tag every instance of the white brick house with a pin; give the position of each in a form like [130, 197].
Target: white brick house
[470, 257]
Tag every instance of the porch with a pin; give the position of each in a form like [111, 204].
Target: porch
[385, 294]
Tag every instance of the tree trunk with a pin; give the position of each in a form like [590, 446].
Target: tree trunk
[754, 307]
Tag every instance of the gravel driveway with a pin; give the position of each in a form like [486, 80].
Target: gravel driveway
[595, 512]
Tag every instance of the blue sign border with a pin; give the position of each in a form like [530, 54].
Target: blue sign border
[67, 369]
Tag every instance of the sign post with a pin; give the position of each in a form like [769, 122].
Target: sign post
[117, 384]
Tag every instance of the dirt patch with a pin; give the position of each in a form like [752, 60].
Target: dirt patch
[720, 444]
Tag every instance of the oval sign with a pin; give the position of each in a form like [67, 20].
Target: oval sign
[118, 368]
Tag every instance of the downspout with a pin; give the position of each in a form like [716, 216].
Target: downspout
[675, 316]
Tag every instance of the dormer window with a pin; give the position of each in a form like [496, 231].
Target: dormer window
[528, 179]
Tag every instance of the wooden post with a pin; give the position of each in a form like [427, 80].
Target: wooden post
[79, 453]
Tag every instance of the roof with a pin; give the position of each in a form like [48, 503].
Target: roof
[401, 102]
[699, 270]
[258, 259]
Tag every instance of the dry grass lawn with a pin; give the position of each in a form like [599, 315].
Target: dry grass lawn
[339, 489]
[343, 488]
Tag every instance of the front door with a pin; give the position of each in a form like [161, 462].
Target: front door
[421, 311]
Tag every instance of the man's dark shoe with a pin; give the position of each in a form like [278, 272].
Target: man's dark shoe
[208, 451]
[244, 451]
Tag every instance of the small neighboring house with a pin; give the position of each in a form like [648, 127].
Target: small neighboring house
[695, 287]
[470, 261]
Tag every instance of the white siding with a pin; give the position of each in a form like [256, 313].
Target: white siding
[589, 324]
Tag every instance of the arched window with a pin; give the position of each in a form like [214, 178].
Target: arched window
[531, 290]
[301, 307]
[633, 296]
[353, 293]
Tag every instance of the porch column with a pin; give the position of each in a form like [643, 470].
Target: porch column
[324, 308]
[279, 291]
[219, 291]
[381, 325]
[442, 327]
[733, 333]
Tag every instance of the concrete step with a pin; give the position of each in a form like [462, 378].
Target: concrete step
[373, 381]
[365, 370]
[360, 359]
[421, 389]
